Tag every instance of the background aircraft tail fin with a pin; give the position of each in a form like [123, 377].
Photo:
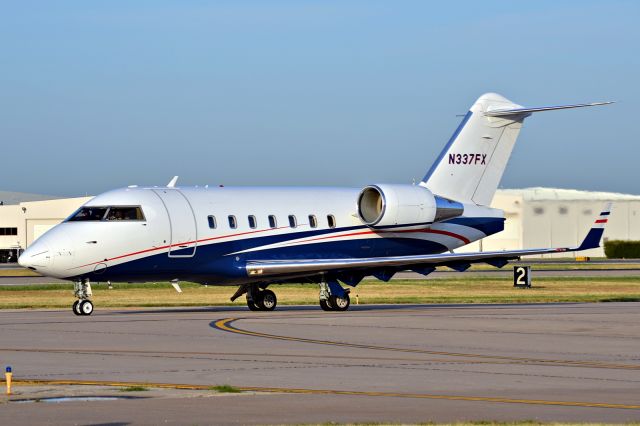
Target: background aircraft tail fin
[472, 163]
[592, 240]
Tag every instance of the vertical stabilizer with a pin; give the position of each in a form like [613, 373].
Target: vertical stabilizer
[471, 165]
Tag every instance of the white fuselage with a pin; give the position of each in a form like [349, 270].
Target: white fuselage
[208, 234]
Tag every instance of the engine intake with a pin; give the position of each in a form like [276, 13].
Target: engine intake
[383, 205]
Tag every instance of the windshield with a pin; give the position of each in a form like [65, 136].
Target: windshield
[114, 213]
[125, 213]
[88, 213]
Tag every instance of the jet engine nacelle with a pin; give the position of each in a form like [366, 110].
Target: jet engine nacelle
[384, 205]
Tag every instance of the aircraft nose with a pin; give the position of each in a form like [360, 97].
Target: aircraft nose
[38, 255]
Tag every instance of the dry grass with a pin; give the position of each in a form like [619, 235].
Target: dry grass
[465, 289]
[18, 272]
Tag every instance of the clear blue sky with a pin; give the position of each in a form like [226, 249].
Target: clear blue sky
[102, 94]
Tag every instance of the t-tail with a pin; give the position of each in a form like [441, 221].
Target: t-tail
[471, 165]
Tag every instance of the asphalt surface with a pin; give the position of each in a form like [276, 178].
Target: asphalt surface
[412, 363]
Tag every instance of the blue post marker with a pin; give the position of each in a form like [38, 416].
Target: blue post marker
[8, 375]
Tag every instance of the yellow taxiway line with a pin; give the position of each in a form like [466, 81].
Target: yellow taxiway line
[225, 325]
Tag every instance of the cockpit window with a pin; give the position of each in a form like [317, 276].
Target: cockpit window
[125, 213]
[107, 213]
[89, 213]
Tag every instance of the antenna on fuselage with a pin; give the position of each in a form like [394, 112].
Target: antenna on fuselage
[172, 182]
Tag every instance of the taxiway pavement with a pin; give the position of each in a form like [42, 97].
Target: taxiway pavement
[410, 363]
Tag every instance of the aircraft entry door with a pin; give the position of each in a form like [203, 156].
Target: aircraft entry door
[182, 221]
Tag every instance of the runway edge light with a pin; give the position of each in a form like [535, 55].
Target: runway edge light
[7, 375]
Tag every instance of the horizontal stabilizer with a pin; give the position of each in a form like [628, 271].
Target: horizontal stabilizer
[519, 111]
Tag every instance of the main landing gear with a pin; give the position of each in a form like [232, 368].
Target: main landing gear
[333, 297]
[261, 300]
[82, 290]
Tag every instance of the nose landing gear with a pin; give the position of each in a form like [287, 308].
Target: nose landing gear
[82, 290]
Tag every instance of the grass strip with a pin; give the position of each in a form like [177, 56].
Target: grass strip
[134, 389]
[225, 389]
[461, 289]
[18, 272]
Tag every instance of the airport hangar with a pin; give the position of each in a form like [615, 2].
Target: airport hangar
[536, 217]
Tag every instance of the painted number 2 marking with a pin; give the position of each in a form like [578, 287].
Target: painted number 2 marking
[468, 159]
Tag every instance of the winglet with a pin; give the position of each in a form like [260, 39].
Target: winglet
[592, 240]
[172, 182]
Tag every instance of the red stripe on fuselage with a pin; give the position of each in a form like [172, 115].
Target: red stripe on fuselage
[178, 244]
[601, 221]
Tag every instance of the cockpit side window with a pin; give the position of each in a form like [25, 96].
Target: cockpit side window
[125, 213]
[114, 213]
[89, 214]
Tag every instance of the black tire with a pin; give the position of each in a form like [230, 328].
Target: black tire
[267, 301]
[75, 309]
[340, 303]
[324, 304]
[251, 304]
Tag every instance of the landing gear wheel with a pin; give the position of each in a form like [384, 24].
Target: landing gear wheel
[86, 307]
[251, 304]
[267, 300]
[75, 308]
[340, 303]
[324, 304]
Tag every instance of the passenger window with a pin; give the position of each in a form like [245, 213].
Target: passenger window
[252, 222]
[233, 223]
[212, 222]
[331, 220]
[313, 222]
[272, 221]
[89, 213]
[292, 221]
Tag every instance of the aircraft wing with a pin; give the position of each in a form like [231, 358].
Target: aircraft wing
[427, 262]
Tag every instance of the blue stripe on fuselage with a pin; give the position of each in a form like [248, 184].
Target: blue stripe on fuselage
[486, 225]
[447, 146]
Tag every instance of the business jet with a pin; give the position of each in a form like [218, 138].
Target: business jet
[253, 237]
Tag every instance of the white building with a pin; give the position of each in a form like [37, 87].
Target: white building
[22, 222]
[548, 217]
